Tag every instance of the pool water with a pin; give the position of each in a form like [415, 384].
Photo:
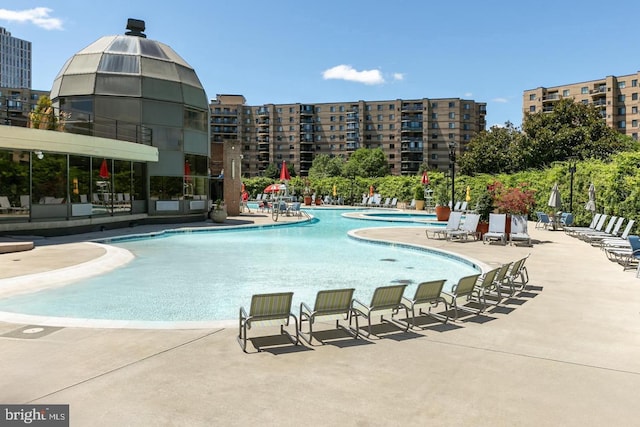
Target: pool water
[207, 276]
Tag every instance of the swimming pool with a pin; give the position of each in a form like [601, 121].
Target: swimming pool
[207, 276]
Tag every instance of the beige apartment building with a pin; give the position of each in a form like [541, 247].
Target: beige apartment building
[615, 96]
[410, 132]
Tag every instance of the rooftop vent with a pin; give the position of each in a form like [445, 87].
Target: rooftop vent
[135, 27]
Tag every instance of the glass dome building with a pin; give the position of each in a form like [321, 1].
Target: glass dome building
[130, 88]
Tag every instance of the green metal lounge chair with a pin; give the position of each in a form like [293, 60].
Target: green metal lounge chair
[428, 294]
[267, 310]
[486, 285]
[465, 288]
[517, 273]
[332, 304]
[385, 300]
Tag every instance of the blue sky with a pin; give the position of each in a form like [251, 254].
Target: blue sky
[285, 51]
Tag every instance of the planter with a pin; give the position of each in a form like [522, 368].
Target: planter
[483, 227]
[307, 200]
[419, 205]
[218, 215]
[318, 201]
[442, 213]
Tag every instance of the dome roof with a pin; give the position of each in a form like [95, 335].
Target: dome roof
[129, 65]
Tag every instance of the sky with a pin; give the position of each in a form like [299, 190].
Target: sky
[288, 51]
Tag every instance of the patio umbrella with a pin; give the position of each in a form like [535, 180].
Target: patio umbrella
[274, 188]
[591, 204]
[425, 178]
[104, 169]
[335, 190]
[370, 190]
[284, 172]
[467, 198]
[555, 201]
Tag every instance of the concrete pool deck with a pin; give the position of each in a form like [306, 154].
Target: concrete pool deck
[564, 352]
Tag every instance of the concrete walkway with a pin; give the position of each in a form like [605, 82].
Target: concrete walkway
[566, 351]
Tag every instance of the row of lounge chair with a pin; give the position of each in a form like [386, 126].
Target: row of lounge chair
[274, 309]
[375, 201]
[456, 229]
[616, 242]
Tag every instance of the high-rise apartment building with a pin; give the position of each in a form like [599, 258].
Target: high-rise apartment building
[615, 96]
[15, 61]
[409, 132]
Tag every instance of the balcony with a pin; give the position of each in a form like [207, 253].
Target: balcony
[551, 97]
[412, 107]
[306, 110]
[352, 146]
[599, 91]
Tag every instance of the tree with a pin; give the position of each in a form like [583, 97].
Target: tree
[492, 151]
[326, 167]
[43, 117]
[366, 162]
[271, 172]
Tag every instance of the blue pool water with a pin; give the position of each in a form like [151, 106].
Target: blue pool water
[207, 276]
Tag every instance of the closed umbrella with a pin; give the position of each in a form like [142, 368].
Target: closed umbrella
[467, 198]
[425, 178]
[104, 169]
[284, 172]
[555, 201]
[591, 204]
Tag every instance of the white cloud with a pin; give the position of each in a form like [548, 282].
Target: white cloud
[468, 94]
[500, 100]
[398, 76]
[347, 72]
[38, 16]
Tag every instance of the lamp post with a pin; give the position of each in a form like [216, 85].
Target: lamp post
[572, 170]
[452, 163]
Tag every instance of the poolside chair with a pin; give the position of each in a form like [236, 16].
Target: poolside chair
[566, 219]
[612, 230]
[268, 310]
[576, 232]
[486, 286]
[294, 209]
[387, 203]
[627, 257]
[543, 220]
[457, 206]
[332, 304]
[465, 288]
[412, 205]
[501, 280]
[607, 230]
[517, 277]
[428, 294]
[5, 205]
[519, 231]
[394, 203]
[468, 227]
[386, 300]
[497, 224]
[453, 223]
[616, 242]
[592, 226]
[463, 206]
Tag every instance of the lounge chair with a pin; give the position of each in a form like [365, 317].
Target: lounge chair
[332, 304]
[566, 219]
[385, 300]
[500, 281]
[453, 223]
[612, 230]
[519, 231]
[463, 206]
[268, 310]
[486, 286]
[626, 256]
[517, 273]
[465, 288]
[578, 232]
[428, 294]
[394, 203]
[387, 203]
[468, 227]
[294, 209]
[543, 220]
[456, 208]
[497, 224]
[616, 242]
[5, 205]
[412, 205]
[591, 227]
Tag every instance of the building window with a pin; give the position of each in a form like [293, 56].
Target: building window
[532, 109]
[466, 116]
[278, 110]
[465, 126]
[584, 90]
[332, 109]
[634, 123]
[434, 116]
[622, 124]
[634, 96]
[565, 92]
[467, 106]
[434, 105]
[450, 136]
[332, 118]
[621, 98]
[622, 85]
[392, 146]
[392, 106]
[532, 97]
[341, 109]
[379, 106]
[380, 127]
[392, 126]
[392, 116]
[434, 136]
[380, 118]
[434, 146]
[434, 156]
[452, 105]
[452, 115]
[434, 126]
[634, 83]
[634, 110]
[622, 111]
[317, 109]
[452, 125]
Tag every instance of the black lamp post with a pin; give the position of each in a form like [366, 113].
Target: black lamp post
[452, 163]
[572, 170]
